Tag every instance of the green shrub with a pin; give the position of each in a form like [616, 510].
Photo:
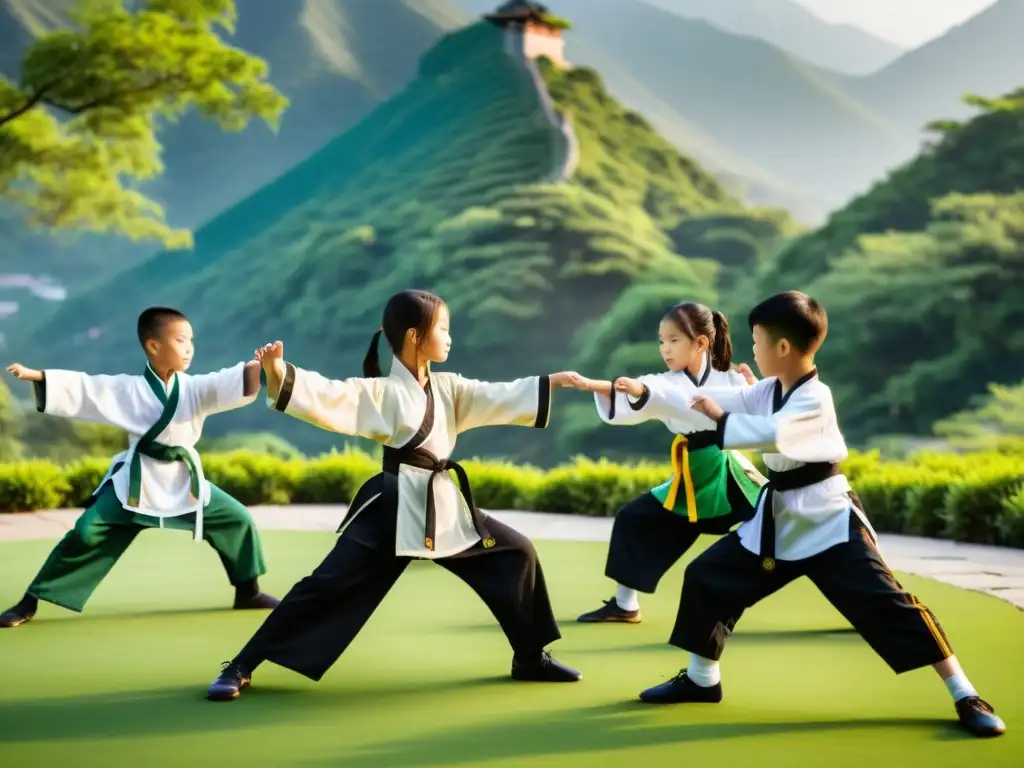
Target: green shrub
[333, 478]
[595, 488]
[925, 502]
[1011, 521]
[30, 485]
[966, 497]
[501, 485]
[253, 478]
[82, 478]
[883, 492]
[974, 506]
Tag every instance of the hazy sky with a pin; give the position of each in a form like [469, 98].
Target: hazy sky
[905, 22]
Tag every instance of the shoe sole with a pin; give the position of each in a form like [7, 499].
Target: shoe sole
[622, 620]
[226, 697]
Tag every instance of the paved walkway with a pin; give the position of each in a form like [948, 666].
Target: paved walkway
[996, 571]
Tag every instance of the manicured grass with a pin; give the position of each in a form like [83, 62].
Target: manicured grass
[427, 684]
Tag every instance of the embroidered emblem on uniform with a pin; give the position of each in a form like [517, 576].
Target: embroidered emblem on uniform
[488, 543]
[768, 564]
[429, 543]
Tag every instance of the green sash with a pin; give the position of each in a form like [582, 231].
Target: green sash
[704, 474]
[148, 446]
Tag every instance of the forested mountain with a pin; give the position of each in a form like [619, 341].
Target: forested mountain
[466, 183]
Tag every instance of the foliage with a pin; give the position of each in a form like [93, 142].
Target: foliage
[978, 156]
[996, 423]
[451, 185]
[115, 77]
[945, 315]
[250, 442]
[973, 497]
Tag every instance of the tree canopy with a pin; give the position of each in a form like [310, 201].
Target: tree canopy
[79, 129]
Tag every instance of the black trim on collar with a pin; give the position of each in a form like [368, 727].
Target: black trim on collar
[704, 378]
[778, 401]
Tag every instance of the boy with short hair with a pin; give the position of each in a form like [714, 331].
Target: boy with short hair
[808, 523]
[158, 481]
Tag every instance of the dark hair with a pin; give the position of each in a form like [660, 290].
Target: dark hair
[404, 310]
[793, 316]
[152, 321]
[695, 320]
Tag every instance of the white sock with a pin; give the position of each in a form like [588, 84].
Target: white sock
[958, 685]
[704, 672]
[626, 598]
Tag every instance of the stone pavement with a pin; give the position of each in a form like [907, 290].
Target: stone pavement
[996, 571]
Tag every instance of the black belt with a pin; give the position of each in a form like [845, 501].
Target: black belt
[790, 480]
[424, 459]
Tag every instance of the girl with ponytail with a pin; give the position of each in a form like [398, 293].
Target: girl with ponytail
[412, 509]
[710, 490]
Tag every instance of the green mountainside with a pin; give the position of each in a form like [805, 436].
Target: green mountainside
[455, 184]
[334, 59]
[922, 277]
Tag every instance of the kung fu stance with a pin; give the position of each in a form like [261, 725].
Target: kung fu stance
[808, 522]
[412, 509]
[158, 482]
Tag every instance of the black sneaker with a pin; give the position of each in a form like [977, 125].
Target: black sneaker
[978, 717]
[258, 602]
[611, 612]
[681, 689]
[231, 682]
[12, 617]
[544, 670]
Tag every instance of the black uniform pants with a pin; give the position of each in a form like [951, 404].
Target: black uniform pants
[726, 579]
[322, 614]
[647, 539]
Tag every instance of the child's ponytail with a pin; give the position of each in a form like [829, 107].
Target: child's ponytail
[371, 363]
[721, 349]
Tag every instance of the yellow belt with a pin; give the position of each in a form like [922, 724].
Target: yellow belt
[681, 471]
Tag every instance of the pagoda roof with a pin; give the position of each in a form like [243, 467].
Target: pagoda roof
[519, 10]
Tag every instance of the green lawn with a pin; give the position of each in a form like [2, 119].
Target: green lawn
[426, 683]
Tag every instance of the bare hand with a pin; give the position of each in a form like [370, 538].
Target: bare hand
[631, 387]
[269, 353]
[708, 407]
[744, 370]
[565, 379]
[21, 373]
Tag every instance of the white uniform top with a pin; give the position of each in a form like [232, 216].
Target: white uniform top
[803, 428]
[391, 409]
[129, 403]
[629, 411]
[681, 422]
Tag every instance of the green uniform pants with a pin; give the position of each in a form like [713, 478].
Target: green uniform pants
[85, 555]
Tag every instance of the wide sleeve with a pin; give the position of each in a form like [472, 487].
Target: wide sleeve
[348, 406]
[804, 429]
[622, 410]
[671, 401]
[100, 399]
[222, 390]
[524, 402]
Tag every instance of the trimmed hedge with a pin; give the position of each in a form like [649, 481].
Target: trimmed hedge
[969, 497]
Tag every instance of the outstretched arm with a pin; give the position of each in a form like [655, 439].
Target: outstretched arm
[350, 406]
[227, 389]
[75, 395]
[524, 402]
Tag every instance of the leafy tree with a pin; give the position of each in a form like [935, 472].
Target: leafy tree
[921, 321]
[995, 423]
[80, 126]
[983, 154]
